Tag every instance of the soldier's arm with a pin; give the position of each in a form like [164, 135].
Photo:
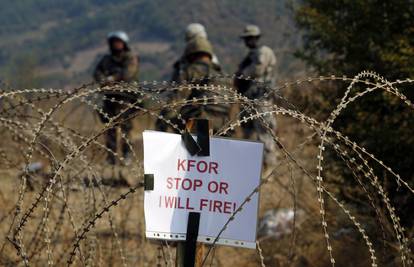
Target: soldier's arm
[130, 70]
[176, 71]
[98, 73]
[266, 58]
[216, 64]
[247, 61]
[260, 67]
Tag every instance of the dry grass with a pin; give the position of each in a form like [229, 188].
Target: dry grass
[48, 130]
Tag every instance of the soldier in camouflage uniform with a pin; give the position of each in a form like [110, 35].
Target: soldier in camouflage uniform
[192, 32]
[121, 65]
[259, 64]
[198, 69]
[191, 67]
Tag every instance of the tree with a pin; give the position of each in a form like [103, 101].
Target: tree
[345, 37]
[351, 36]
[21, 71]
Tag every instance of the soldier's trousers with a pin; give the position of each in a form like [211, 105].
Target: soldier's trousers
[217, 115]
[113, 109]
[256, 130]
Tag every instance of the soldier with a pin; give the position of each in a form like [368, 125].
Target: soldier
[259, 65]
[121, 65]
[186, 70]
[198, 69]
[192, 32]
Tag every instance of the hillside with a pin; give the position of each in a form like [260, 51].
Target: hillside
[56, 43]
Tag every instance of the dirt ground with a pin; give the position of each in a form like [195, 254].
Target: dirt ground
[58, 217]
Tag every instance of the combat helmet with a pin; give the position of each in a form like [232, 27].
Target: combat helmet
[251, 31]
[121, 35]
[195, 30]
[199, 45]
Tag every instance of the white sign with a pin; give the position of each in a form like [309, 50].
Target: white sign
[215, 186]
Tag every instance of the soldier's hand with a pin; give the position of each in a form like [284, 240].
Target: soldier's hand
[110, 79]
[246, 62]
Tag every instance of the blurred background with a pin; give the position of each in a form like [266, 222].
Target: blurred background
[57, 43]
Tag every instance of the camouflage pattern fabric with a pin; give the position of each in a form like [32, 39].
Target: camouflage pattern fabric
[217, 114]
[117, 69]
[259, 64]
[256, 130]
[197, 72]
[181, 64]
